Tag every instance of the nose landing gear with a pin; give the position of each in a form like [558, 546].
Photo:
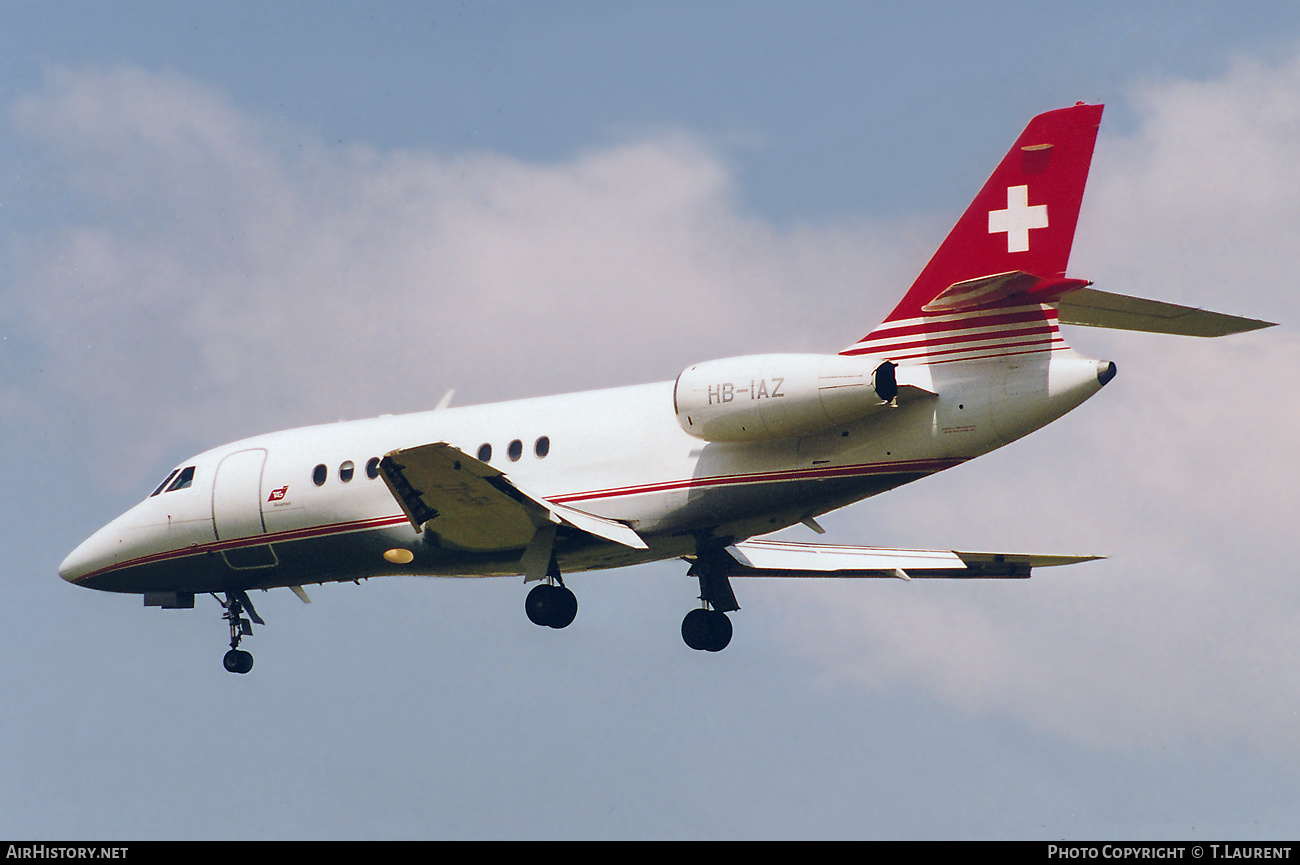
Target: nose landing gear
[237, 660]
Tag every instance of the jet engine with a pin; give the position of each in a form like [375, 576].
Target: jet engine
[772, 396]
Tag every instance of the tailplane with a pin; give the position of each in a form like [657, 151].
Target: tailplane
[997, 286]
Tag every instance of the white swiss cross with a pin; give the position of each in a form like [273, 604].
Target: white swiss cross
[1018, 218]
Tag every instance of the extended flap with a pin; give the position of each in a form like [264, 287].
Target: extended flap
[470, 505]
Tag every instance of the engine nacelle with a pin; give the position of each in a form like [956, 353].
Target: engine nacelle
[773, 396]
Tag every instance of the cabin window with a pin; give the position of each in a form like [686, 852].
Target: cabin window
[319, 474]
[515, 450]
[543, 446]
[485, 453]
[372, 468]
[163, 485]
[183, 480]
[346, 470]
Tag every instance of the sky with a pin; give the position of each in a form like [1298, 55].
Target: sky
[223, 219]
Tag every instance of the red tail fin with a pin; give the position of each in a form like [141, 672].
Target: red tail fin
[981, 293]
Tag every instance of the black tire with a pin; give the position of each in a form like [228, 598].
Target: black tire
[565, 608]
[719, 631]
[695, 629]
[540, 604]
[237, 661]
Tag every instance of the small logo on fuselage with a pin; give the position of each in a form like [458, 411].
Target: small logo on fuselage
[277, 495]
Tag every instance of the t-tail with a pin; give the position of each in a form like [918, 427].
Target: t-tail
[997, 287]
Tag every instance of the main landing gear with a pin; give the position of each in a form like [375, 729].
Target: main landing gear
[237, 660]
[708, 629]
[551, 604]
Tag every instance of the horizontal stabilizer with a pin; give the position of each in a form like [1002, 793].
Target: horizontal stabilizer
[759, 558]
[1093, 308]
[470, 505]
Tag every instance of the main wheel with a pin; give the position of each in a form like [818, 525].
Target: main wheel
[237, 661]
[695, 629]
[551, 606]
[706, 630]
[719, 631]
[566, 608]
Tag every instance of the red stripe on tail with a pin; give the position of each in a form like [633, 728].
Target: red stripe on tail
[1008, 251]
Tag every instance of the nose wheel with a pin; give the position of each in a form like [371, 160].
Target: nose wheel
[237, 660]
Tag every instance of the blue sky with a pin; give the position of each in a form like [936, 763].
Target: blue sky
[223, 219]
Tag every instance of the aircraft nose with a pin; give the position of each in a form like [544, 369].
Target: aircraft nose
[78, 563]
[91, 555]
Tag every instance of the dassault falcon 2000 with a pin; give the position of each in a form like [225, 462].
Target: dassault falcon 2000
[697, 468]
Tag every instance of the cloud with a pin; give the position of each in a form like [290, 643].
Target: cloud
[216, 274]
[236, 275]
[1199, 203]
[1182, 470]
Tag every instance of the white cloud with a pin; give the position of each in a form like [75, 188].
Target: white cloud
[237, 275]
[1182, 470]
[240, 276]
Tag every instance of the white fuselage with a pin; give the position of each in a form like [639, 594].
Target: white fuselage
[254, 515]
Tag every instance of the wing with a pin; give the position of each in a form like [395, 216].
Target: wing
[758, 558]
[466, 504]
[1093, 308]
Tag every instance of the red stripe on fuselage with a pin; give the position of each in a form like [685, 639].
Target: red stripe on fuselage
[901, 467]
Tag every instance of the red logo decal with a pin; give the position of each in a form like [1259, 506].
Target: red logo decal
[276, 495]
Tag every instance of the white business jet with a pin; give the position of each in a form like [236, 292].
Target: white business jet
[698, 468]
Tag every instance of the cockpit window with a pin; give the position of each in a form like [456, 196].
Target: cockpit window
[164, 483]
[183, 480]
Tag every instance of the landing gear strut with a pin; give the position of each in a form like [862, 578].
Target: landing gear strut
[551, 604]
[237, 660]
[708, 629]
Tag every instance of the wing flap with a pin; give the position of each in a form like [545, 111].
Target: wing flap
[470, 505]
[765, 558]
[1092, 308]
[456, 497]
